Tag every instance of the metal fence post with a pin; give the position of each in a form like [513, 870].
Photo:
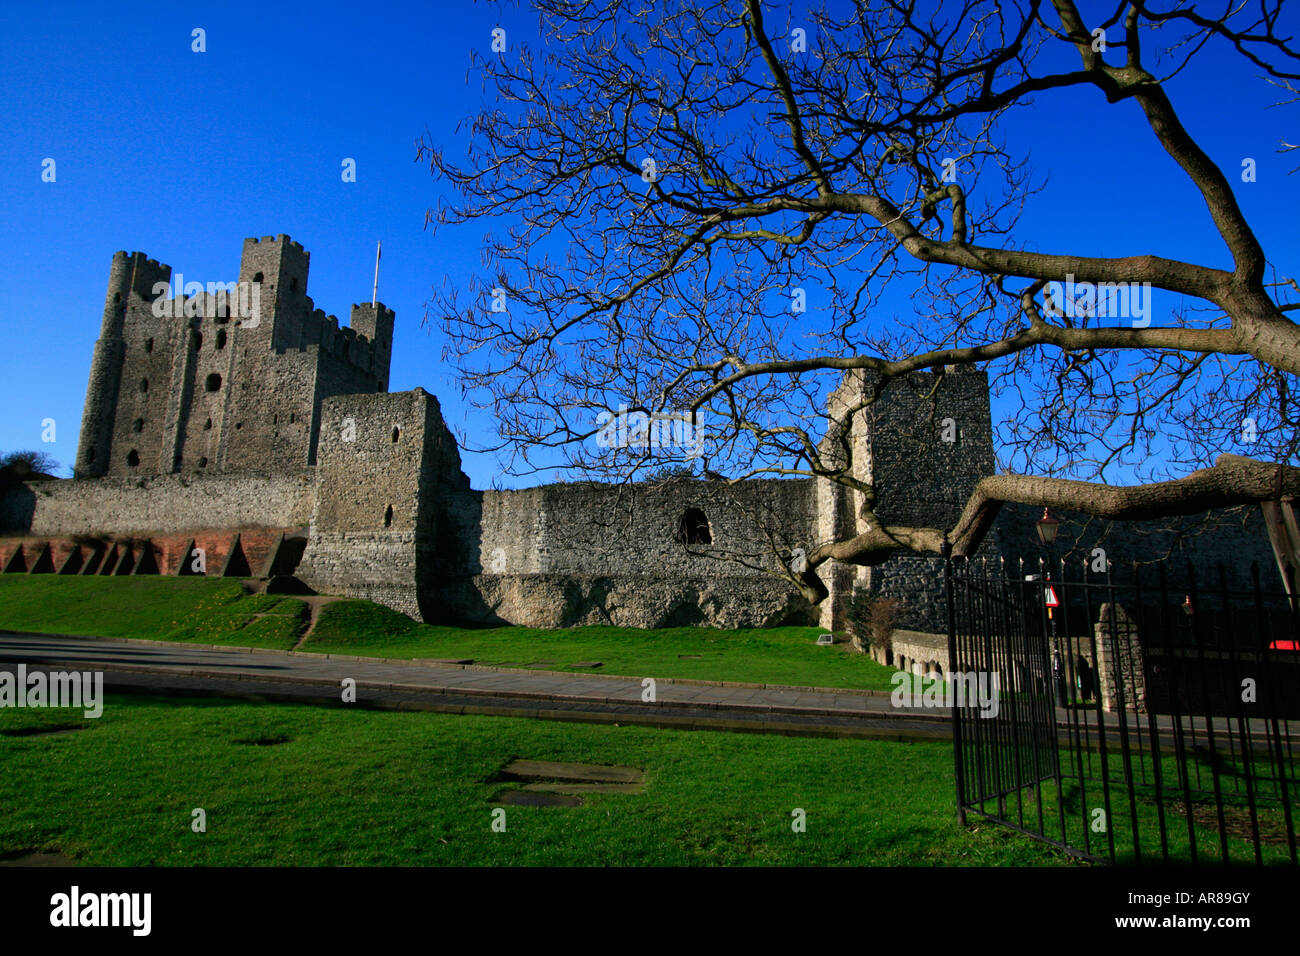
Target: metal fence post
[954, 666]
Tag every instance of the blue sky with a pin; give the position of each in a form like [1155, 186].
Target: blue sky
[182, 155]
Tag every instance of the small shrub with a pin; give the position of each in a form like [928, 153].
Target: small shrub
[872, 619]
[669, 472]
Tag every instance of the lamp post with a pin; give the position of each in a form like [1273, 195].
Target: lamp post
[1047, 527]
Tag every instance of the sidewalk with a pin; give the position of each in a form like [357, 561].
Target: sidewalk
[449, 687]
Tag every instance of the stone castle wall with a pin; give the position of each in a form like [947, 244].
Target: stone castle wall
[587, 553]
[160, 503]
[591, 528]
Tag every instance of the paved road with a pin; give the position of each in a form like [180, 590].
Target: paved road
[158, 667]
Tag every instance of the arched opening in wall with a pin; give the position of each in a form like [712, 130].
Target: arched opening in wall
[293, 284]
[207, 426]
[148, 345]
[238, 425]
[203, 463]
[133, 458]
[257, 277]
[117, 297]
[137, 425]
[221, 338]
[693, 528]
[396, 431]
[388, 517]
[144, 385]
[213, 382]
[292, 418]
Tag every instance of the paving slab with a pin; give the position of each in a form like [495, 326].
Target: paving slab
[558, 770]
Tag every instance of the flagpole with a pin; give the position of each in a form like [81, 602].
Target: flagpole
[374, 296]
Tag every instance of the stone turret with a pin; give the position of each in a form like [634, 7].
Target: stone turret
[132, 281]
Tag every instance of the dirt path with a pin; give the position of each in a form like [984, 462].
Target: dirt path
[315, 602]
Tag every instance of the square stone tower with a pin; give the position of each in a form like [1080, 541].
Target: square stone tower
[923, 444]
[387, 466]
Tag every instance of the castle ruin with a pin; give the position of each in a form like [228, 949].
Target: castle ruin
[264, 441]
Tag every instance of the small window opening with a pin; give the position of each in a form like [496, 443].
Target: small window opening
[693, 528]
[133, 458]
[388, 517]
[213, 382]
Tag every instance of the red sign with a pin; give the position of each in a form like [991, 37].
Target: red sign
[1051, 597]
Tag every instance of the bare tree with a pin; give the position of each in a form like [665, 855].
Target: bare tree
[676, 185]
[24, 464]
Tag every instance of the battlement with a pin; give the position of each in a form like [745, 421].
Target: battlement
[123, 255]
[281, 239]
[320, 317]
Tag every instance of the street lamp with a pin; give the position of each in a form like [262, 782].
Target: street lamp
[1047, 527]
[1188, 612]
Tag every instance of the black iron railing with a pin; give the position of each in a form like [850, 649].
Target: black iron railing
[1143, 717]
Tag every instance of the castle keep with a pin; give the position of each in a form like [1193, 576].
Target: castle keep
[183, 385]
[243, 432]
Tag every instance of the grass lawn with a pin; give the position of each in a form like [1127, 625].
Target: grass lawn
[217, 611]
[388, 788]
[209, 611]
